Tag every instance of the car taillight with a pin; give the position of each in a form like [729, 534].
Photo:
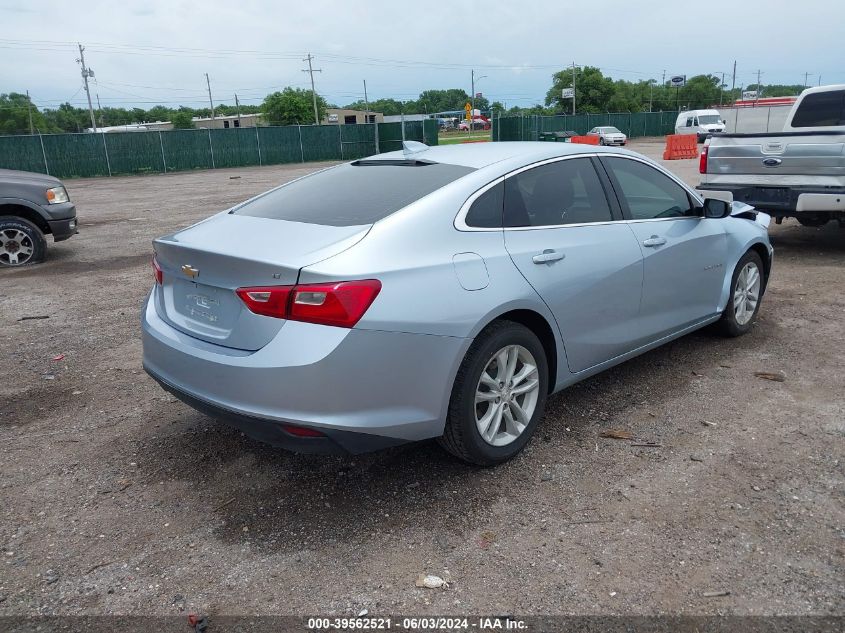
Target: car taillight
[702, 161]
[159, 274]
[339, 303]
[271, 301]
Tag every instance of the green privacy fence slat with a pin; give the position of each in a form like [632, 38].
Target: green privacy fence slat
[83, 155]
[634, 124]
[21, 152]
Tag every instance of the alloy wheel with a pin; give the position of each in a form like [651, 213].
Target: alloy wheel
[746, 293]
[16, 247]
[506, 395]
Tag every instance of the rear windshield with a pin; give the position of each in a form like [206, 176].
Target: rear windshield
[349, 195]
[821, 109]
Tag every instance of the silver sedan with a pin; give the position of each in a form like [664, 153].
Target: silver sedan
[441, 292]
[609, 135]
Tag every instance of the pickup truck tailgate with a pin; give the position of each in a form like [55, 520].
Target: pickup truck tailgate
[819, 156]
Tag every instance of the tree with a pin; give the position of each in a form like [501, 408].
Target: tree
[387, 107]
[292, 106]
[593, 90]
[15, 109]
[181, 120]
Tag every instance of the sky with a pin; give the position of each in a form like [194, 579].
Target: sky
[148, 52]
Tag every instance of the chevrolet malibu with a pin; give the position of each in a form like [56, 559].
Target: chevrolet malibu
[441, 292]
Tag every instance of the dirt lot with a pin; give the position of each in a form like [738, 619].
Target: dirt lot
[118, 499]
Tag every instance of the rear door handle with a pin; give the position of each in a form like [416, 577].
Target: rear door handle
[547, 257]
[654, 240]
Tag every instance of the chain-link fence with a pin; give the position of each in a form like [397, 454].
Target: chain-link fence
[633, 124]
[107, 154]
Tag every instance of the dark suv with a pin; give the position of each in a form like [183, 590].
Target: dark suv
[31, 207]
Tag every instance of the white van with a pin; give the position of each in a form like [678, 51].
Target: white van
[700, 122]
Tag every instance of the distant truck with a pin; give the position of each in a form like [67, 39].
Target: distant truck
[798, 173]
[31, 207]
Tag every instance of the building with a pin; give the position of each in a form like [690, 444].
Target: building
[351, 117]
[226, 122]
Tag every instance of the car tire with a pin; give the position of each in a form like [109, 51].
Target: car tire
[601, 141]
[21, 242]
[739, 314]
[462, 436]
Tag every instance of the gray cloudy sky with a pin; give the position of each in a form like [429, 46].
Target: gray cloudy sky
[146, 52]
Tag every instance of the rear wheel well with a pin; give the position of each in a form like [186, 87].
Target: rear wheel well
[26, 213]
[535, 322]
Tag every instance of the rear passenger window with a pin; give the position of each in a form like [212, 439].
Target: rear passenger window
[563, 192]
[649, 193]
[821, 109]
[486, 211]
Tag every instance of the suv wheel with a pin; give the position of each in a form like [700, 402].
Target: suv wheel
[498, 397]
[21, 242]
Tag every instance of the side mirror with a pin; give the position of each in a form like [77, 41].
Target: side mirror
[716, 208]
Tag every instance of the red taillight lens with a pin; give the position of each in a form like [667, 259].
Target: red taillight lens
[159, 274]
[702, 161]
[340, 303]
[302, 431]
[269, 301]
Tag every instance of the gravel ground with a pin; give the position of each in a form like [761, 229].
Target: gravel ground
[117, 499]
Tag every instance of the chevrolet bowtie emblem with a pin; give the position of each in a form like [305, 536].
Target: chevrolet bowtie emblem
[190, 271]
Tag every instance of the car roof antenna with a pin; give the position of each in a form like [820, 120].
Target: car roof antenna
[413, 147]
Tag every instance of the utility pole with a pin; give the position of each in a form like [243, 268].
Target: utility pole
[366, 104]
[311, 70]
[87, 72]
[573, 88]
[733, 80]
[238, 110]
[820, 80]
[99, 109]
[29, 108]
[472, 102]
[721, 88]
[806, 76]
[210, 102]
[759, 90]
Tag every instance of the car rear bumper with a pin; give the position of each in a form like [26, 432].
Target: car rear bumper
[784, 200]
[363, 389]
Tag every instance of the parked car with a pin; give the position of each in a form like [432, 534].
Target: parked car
[798, 173]
[441, 292]
[609, 135]
[477, 124]
[32, 206]
[702, 123]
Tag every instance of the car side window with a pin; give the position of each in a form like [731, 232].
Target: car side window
[486, 210]
[649, 193]
[563, 192]
[689, 122]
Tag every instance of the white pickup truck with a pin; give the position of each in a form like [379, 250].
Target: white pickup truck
[798, 173]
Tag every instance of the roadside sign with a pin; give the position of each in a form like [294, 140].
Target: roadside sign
[678, 81]
[567, 93]
[468, 109]
[749, 95]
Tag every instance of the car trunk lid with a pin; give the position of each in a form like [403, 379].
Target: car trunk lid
[204, 264]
